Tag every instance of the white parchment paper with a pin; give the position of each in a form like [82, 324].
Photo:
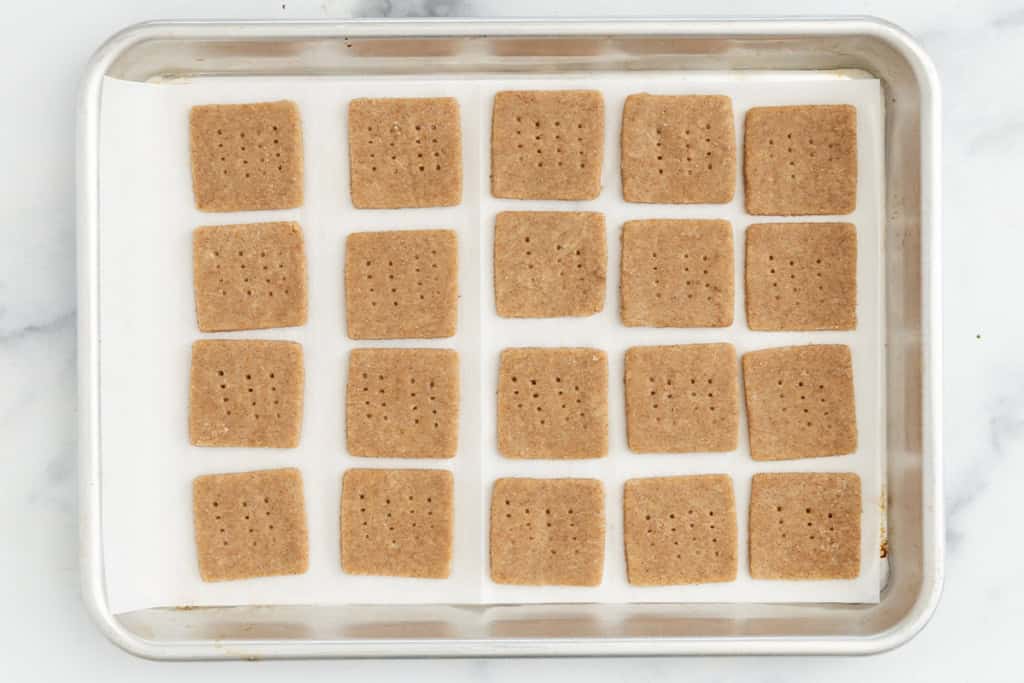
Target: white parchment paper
[147, 325]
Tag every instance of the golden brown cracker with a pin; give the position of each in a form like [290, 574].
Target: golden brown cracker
[402, 403]
[397, 522]
[682, 399]
[680, 530]
[800, 402]
[246, 157]
[677, 273]
[805, 526]
[401, 284]
[547, 144]
[405, 152]
[249, 276]
[547, 532]
[250, 524]
[553, 403]
[678, 149]
[549, 264]
[246, 393]
[801, 161]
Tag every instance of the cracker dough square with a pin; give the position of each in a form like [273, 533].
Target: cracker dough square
[403, 403]
[677, 273]
[801, 276]
[401, 284]
[405, 152]
[397, 523]
[547, 144]
[246, 393]
[246, 157]
[805, 526]
[549, 264]
[250, 524]
[801, 161]
[678, 149]
[547, 532]
[553, 403]
[800, 402]
[680, 530]
[249, 276]
[682, 399]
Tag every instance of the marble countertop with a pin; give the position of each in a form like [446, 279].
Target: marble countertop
[47, 635]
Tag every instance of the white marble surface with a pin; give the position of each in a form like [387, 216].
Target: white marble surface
[45, 633]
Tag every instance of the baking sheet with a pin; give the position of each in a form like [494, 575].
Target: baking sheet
[147, 324]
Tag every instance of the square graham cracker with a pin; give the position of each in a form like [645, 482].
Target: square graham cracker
[246, 393]
[680, 530]
[547, 144]
[801, 161]
[547, 532]
[678, 149]
[677, 273]
[805, 526]
[246, 157]
[401, 284]
[553, 403]
[549, 264]
[397, 522]
[682, 399]
[800, 402]
[250, 276]
[801, 276]
[404, 152]
[402, 403]
[250, 524]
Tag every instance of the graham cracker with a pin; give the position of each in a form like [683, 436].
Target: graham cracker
[549, 264]
[680, 530]
[403, 403]
[250, 524]
[397, 522]
[801, 161]
[802, 276]
[678, 149]
[800, 402]
[547, 532]
[246, 393]
[249, 276]
[677, 273]
[553, 403]
[805, 526]
[405, 152]
[682, 399]
[401, 284]
[547, 144]
[246, 157]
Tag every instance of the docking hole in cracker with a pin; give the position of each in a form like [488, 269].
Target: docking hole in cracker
[547, 532]
[250, 276]
[401, 284]
[402, 403]
[549, 264]
[246, 393]
[800, 402]
[246, 157]
[547, 144]
[682, 399]
[678, 149]
[805, 526]
[397, 522]
[680, 530]
[250, 524]
[405, 152]
[553, 403]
